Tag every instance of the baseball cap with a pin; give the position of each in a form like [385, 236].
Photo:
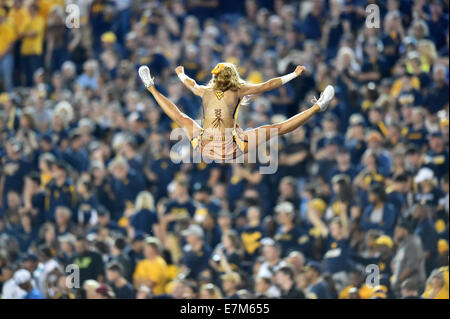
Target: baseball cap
[139, 236]
[109, 37]
[384, 240]
[75, 134]
[314, 265]
[424, 174]
[267, 241]
[193, 229]
[436, 134]
[22, 276]
[46, 138]
[285, 207]
[318, 204]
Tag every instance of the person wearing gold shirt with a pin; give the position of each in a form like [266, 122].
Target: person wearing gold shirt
[32, 44]
[6, 55]
[152, 271]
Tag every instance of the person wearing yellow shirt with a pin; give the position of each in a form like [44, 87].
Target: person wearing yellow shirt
[32, 44]
[45, 6]
[18, 18]
[151, 271]
[437, 285]
[6, 52]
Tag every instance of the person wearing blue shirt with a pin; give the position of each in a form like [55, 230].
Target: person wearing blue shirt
[427, 233]
[76, 155]
[145, 218]
[356, 143]
[60, 191]
[182, 207]
[397, 192]
[374, 67]
[317, 288]
[343, 165]
[87, 203]
[122, 288]
[26, 233]
[437, 157]
[202, 9]
[202, 195]
[379, 214]
[330, 124]
[104, 221]
[126, 185]
[289, 235]
[437, 24]
[313, 21]
[89, 78]
[252, 234]
[160, 172]
[196, 253]
[281, 98]
[204, 173]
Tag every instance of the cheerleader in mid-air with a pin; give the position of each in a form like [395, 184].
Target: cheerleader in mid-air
[221, 138]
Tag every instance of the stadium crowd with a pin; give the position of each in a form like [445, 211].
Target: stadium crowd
[357, 209]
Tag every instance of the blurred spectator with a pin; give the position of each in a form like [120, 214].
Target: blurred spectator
[409, 262]
[152, 270]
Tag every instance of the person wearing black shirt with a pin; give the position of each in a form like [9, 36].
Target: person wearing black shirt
[135, 251]
[34, 197]
[90, 262]
[122, 259]
[121, 287]
[285, 280]
[14, 169]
